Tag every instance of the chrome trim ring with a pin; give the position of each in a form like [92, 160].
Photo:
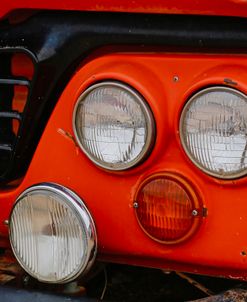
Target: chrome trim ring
[150, 124]
[79, 209]
[225, 176]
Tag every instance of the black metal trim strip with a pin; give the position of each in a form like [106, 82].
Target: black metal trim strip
[15, 81]
[11, 114]
[6, 147]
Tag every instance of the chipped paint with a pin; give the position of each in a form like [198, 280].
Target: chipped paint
[230, 82]
[67, 135]
[204, 7]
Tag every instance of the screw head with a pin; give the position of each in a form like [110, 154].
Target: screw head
[135, 205]
[175, 79]
[194, 213]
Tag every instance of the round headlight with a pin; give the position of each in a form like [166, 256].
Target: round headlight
[52, 234]
[113, 125]
[213, 131]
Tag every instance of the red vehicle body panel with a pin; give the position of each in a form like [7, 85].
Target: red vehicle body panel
[219, 246]
[218, 7]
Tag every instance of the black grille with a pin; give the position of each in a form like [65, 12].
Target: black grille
[9, 132]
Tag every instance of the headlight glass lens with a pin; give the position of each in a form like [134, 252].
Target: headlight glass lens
[52, 234]
[213, 129]
[113, 125]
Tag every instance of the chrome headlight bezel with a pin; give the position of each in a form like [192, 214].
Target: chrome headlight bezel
[149, 120]
[225, 175]
[77, 206]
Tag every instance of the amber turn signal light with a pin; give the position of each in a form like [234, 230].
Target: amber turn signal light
[167, 208]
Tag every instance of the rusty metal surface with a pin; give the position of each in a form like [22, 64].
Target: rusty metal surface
[8, 265]
[9, 269]
[4, 278]
[234, 295]
[119, 284]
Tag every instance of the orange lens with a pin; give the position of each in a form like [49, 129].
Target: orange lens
[167, 208]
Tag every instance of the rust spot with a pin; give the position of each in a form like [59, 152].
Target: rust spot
[204, 212]
[4, 278]
[230, 82]
[9, 265]
[243, 253]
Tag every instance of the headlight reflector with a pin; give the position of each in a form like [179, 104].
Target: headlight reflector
[52, 234]
[213, 131]
[113, 125]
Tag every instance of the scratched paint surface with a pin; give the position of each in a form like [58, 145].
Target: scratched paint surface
[204, 7]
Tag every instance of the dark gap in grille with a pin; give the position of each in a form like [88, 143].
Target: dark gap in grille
[16, 71]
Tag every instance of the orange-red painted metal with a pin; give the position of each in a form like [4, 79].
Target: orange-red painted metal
[204, 7]
[166, 81]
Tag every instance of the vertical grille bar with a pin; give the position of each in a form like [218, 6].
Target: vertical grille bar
[8, 114]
